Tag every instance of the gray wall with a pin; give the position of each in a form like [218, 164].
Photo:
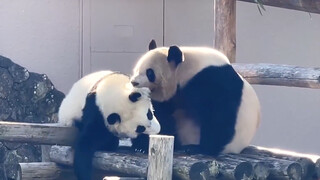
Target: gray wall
[67, 38]
[43, 36]
[290, 116]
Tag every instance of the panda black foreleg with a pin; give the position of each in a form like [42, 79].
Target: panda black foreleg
[93, 136]
[83, 154]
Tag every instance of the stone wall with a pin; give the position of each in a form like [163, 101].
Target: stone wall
[24, 97]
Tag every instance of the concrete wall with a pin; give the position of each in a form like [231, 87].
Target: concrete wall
[45, 36]
[290, 116]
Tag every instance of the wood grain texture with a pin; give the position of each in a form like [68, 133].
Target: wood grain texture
[135, 164]
[44, 170]
[280, 75]
[225, 27]
[160, 157]
[312, 6]
[36, 133]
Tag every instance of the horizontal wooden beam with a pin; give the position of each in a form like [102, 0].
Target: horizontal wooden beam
[37, 133]
[280, 75]
[311, 6]
[253, 163]
[50, 171]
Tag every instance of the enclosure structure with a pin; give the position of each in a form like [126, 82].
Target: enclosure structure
[252, 163]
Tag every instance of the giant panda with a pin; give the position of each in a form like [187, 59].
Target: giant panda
[199, 98]
[104, 106]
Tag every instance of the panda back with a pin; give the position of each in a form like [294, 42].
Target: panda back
[195, 60]
[72, 105]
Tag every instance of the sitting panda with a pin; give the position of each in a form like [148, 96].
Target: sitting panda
[104, 106]
[199, 98]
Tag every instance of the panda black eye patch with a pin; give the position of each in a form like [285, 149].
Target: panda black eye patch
[134, 96]
[140, 129]
[150, 74]
[149, 115]
[113, 118]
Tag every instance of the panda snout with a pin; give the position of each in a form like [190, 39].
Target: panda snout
[134, 83]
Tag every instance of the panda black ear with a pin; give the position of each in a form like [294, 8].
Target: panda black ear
[152, 44]
[174, 55]
[134, 96]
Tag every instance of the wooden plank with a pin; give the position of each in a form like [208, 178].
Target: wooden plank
[225, 27]
[44, 170]
[160, 157]
[185, 167]
[280, 75]
[37, 133]
[49, 171]
[136, 164]
[45, 153]
[312, 6]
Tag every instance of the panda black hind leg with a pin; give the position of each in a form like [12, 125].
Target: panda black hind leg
[93, 135]
[212, 98]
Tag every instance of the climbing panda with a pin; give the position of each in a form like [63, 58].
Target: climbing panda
[199, 98]
[104, 106]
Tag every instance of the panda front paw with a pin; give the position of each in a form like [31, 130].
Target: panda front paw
[141, 144]
[140, 151]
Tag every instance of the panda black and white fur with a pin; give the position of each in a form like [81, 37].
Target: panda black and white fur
[199, 98]
[104, 106]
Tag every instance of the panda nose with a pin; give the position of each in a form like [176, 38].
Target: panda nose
[134, 83]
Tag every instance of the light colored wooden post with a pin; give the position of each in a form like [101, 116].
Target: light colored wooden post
[160, 157]
[225, 27]
[45, 153]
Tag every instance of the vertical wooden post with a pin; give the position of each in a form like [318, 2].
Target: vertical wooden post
[45, 153]
[225, 27]
[160, 157]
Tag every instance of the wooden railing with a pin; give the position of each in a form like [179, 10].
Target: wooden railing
[252, 163]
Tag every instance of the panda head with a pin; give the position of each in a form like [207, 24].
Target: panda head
[156, 70]
[127, 110]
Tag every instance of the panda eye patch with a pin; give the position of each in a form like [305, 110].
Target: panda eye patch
[149, 115]
[150, 74]
[140, 129]
[113, 118]
[134, 96]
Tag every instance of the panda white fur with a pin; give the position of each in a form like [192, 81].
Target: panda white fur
[104, 106]
[199, 98]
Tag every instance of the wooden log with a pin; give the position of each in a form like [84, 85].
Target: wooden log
[45, 153]
[232, 168]
[280, 75]
[200, 169]
[44, 170]
[225, 27]
[48, 171]
[184, 167]
[311, 6]
[194, 167]
[280, 168]
[160, 157]
[306, 161]
[36, 133]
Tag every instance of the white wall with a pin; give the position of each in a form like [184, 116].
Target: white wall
[290, 116]
[43, 36]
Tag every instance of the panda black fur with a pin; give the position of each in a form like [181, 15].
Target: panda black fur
[199, 98]
[104, 106]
